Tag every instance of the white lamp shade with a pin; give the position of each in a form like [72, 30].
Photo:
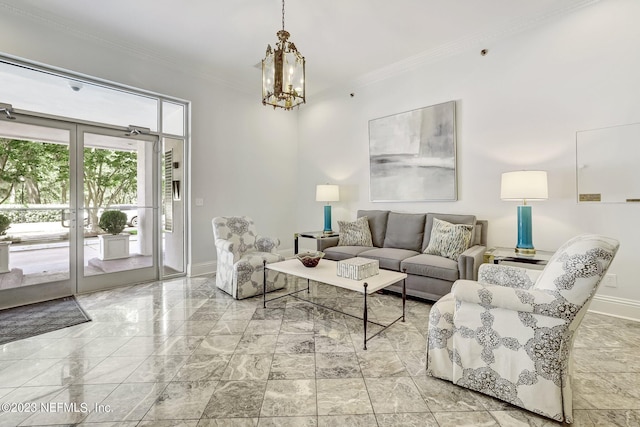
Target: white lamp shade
[327, 193]
[524, 185]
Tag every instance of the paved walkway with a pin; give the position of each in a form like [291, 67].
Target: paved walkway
[32, 264]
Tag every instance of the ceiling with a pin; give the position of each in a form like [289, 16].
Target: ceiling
[344, 41]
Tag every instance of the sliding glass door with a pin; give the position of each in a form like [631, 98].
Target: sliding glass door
[37, 257]
[57, 180]
[118, 176]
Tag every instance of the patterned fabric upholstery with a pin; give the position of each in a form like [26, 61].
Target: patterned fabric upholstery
[241, 253]
[449, 240]
[510, 334]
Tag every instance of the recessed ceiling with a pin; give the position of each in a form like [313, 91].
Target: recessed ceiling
[342, 40]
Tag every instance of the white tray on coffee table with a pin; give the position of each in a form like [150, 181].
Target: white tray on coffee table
[326, 272]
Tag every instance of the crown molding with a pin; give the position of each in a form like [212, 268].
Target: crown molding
[127, 48]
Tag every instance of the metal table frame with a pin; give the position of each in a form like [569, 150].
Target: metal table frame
[498, 255]
[365, 316]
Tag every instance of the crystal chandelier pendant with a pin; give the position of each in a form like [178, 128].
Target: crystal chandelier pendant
[283, 73]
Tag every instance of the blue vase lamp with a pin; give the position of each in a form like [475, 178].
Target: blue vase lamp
[525, 186]
[327, 193]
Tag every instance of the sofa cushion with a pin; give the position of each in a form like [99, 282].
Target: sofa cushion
[355, 233]
[480, 232]
[405, 231]
[452, 218]
[338, 253]
[388, 258]
[377, 225]
[431, 266]
[477, 234]
[449, 240]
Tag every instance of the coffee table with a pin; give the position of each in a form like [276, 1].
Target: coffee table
[326, 272]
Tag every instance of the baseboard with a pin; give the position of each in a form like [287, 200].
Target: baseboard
[286, 252]
[616, 307]
[201, 269]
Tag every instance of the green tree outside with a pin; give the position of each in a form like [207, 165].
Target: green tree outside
[33, 172]
[110, 178]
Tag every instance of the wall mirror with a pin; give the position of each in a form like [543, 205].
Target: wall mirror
[608, 164]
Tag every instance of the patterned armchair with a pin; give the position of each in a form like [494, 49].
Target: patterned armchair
[510, 334]
[241, 253]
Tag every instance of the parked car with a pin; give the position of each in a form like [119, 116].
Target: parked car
[132, 217]
[130, 211]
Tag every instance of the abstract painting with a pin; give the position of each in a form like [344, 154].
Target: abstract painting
[412, 155]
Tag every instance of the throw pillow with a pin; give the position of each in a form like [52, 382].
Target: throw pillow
[449, 240]
[356, 233]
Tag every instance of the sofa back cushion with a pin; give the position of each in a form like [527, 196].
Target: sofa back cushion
[239, 230]
[574, 272]
[377, 225]
[480, 232]
[452, 218]
[405, 231]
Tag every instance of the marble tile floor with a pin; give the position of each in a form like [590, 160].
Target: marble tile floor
[183, 353]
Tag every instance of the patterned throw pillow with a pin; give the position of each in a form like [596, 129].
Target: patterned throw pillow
[449, 240]
[356, 233]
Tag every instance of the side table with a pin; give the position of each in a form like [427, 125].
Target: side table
[500, 255]
[317, 235]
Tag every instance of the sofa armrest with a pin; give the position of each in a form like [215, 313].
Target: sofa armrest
[225, 249]
[266, 244]
[224, 245]
[470, 260]
[521, 300]
[506, 275]
[327, 242]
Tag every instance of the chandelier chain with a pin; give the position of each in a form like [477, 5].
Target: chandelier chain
[282, 15]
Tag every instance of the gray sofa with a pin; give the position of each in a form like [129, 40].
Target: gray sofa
[399, 240]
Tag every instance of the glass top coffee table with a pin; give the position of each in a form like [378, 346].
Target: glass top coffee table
[326, 272]
[499, 255]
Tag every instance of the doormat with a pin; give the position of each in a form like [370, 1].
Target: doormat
[34, 319]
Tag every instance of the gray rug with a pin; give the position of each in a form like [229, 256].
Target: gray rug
[34, 319]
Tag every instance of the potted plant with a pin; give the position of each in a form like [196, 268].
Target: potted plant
[115, 244]
[5, 223]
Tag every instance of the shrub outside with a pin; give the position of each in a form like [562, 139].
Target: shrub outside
[113, 222]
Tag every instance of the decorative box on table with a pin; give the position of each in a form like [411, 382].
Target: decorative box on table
[358, 268]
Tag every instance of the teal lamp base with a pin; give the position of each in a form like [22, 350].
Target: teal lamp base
[525, 234]
[327, 220]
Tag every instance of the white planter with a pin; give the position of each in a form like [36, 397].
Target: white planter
[4, 257]
[114, 246]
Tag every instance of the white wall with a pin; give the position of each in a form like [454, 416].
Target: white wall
[242, 154]
[519, 107]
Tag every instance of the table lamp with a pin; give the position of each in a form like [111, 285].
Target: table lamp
[524, 185]
[327, 193]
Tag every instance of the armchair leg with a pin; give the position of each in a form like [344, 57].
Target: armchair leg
[365, 315]
[264, 283]
[404, 293]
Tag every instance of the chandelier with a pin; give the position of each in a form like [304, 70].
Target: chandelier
[283, 73]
